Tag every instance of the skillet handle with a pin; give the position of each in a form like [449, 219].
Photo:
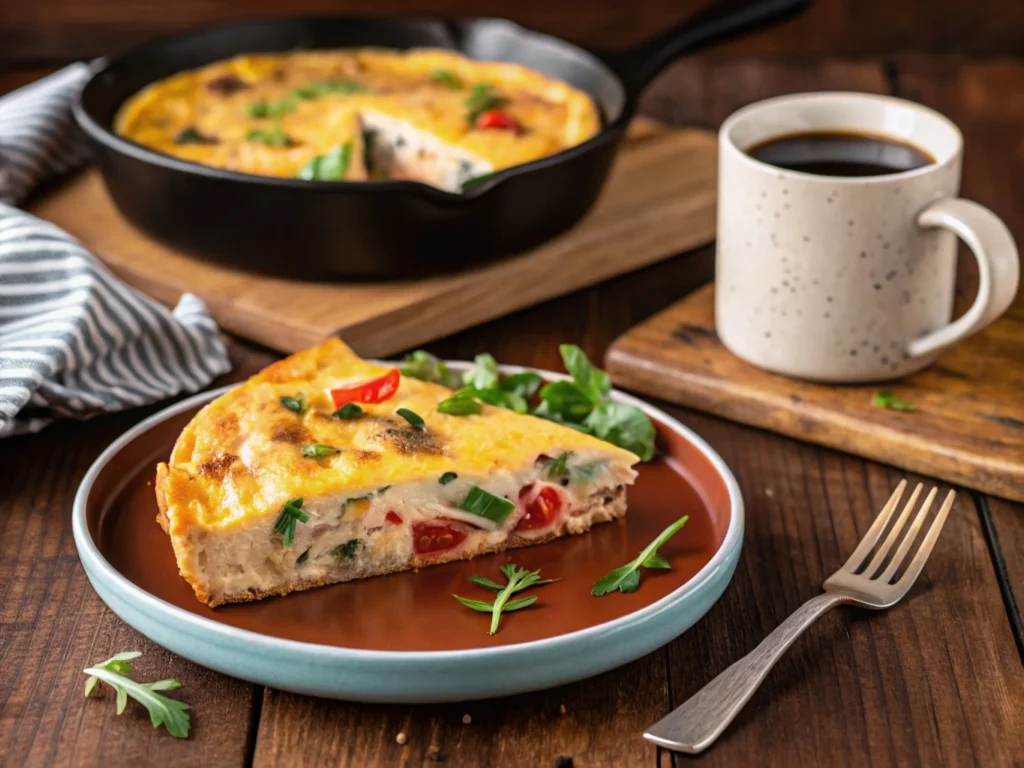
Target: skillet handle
[638, 65]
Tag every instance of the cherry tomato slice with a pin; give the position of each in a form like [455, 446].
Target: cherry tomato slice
[373, 391]
[428, 538]
[496, 118]
[542, 507]
[393, 518]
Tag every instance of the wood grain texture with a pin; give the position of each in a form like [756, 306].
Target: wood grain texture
[935, 680]
[65, 29]
[659, 201]
[52, 626]
[967, 426]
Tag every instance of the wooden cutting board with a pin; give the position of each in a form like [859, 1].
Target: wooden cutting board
[660, 200]
[967, 426]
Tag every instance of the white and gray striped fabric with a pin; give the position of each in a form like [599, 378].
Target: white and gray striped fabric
[74, 340]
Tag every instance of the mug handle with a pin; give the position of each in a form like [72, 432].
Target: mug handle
[998, 268]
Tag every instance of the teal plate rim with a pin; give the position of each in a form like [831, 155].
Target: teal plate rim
[411, 676]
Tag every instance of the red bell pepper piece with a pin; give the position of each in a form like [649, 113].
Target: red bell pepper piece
[373, 391]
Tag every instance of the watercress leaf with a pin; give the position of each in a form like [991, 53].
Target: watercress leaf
[486, 583]
[567, 400]
[626, 426]
[423, 365]
[476, 605]
[593, 381]
[483, 374]
[514, 402]
[654, 560]
[523, 384]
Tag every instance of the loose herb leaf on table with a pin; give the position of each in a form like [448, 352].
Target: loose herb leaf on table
[627, 577]
[518, 580]
[884, 398]
[170, 713]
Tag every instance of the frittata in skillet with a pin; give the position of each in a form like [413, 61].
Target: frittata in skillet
[425, 114]
[325, 468]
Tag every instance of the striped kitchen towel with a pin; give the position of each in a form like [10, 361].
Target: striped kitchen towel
[74, 340]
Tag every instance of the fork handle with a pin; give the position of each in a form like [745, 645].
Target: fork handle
[694, 725]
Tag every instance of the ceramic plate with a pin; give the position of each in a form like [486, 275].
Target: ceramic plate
[402, 637]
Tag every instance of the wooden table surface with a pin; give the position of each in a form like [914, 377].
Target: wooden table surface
[936, 680]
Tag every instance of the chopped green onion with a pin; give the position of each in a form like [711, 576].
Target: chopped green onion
[332, 166]
[348, 411]
[494, 508]
[322, 87]
[296, 404]
[446, 478]
[272, 138]
[557, 468]
[413, 418]
[319, 450]
[291, 513]
[264, 108]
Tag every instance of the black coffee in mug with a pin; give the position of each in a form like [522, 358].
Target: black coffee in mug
[835, 153]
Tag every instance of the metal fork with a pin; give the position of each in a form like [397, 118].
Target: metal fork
[695, 725]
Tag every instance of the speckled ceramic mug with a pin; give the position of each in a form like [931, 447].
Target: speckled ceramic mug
[841, 278]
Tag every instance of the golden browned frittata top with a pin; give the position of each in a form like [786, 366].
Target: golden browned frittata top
[270, 114]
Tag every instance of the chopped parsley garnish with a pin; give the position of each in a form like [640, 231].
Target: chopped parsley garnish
[413, 418]
[494, 508]
[518, 580]
[264, 108]
[170, 713]
[319, 450]
[291, 513]
[425, 366]
[296, 404]
[481, 98]
[322, 87]
[627, 577]
[884, 398]
[446, 478]
[332, 166]
[348, 411]
[275, 137]
[447, 77]
[348, 549]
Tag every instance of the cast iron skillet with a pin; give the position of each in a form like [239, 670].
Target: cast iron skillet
[382, 229]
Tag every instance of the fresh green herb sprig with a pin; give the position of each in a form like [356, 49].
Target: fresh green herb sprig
[319, 450]
[170, 713]
[296, 403]
[884, 398]
[481, 98]
[582, 403]
[627, 577]
[291, 513]
[331, 166]
[446, 77]
[518, 580]
[558, 467]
